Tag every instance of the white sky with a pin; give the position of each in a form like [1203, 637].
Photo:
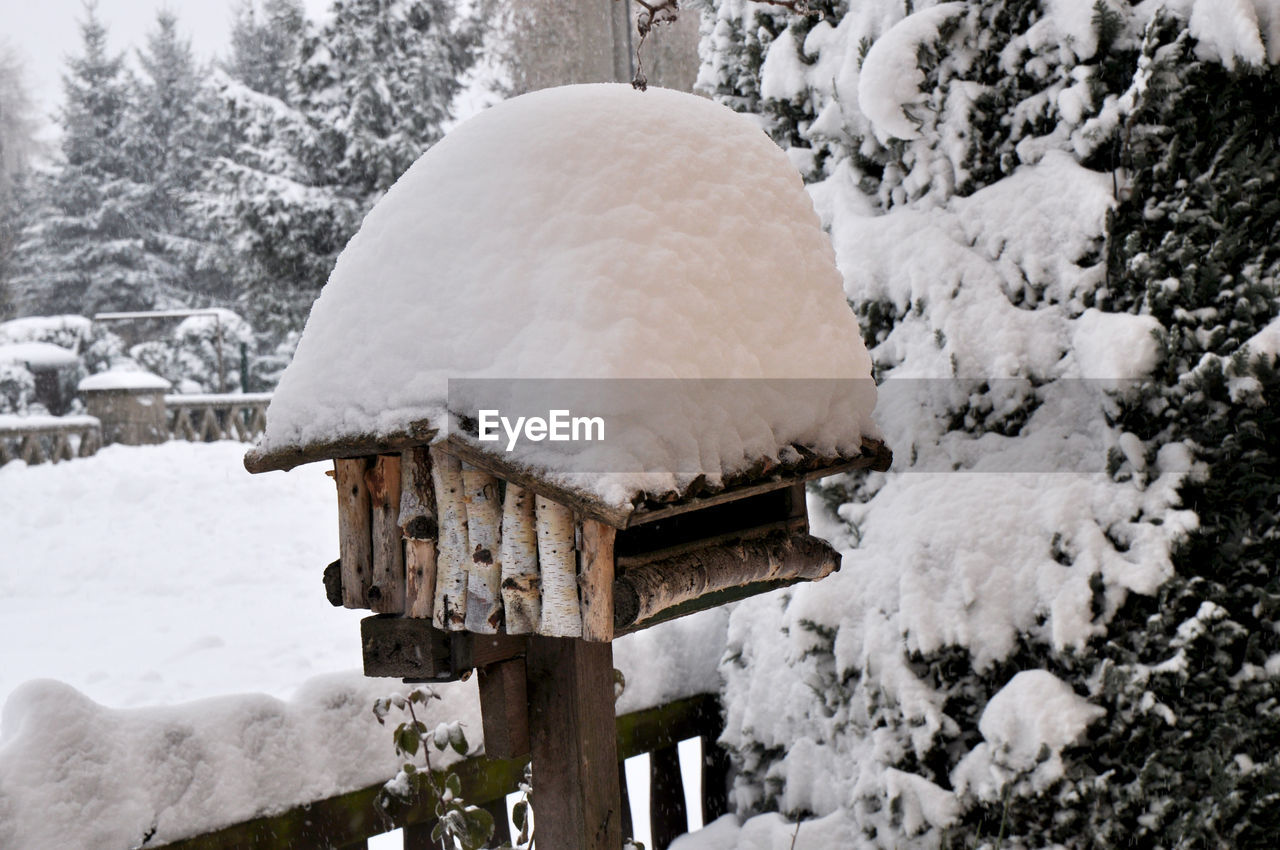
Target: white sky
[44, 32]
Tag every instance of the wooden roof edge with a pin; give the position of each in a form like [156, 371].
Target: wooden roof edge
[360, 445]
[875, 456]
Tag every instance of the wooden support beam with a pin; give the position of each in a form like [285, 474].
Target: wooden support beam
[521, 581]
[484, 571]
[642, 593]
[558, 562]
[574, 745]
[355, 541]
[504, 709]
[417, 496]
[668, 815]
[386, 594]
[405, 649]
[412, 648]
[595, 578]
[419, 578]
[418, 523]
[450, 610]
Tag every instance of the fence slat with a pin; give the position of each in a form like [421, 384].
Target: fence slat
[715, 779]
[668, 815]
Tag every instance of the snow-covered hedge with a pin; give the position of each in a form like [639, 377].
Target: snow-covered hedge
[1070, 639]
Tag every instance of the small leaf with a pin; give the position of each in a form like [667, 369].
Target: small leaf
[518, 814]
[437, 831]
[441, 736]
[407, 739]
[479, 827]
[453, 785]
[457, 739]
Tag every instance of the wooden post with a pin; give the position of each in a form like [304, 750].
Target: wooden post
[596, 580]
[501, 821]
[484, 571]
[668, 816]
[355, 541]
[450, 611]
[573, 743]
[715, 779]
[558, 561]
[386, 594]
[521, 594]
[504, 709]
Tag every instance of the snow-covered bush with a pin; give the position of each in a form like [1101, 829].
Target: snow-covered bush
[69, 332]
[1027, 196]
[191, 357]
[17, 388]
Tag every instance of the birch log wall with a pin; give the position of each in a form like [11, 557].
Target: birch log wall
[428, 537]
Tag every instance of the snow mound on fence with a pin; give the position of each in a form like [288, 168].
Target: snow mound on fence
[586, 232]
[74, 774]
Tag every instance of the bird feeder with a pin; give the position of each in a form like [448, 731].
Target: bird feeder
[640, 243]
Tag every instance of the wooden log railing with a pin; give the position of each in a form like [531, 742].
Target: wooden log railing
[37, 439]
[204, 418]
[347, 821]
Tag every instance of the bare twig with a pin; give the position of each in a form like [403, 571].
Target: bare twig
[659, 12]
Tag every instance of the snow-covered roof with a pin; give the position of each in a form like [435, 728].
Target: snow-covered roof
[586, 232]
[38, 355]
[123, 379]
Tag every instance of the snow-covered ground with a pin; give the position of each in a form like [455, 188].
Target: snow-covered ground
[167, 644]
[157, 575]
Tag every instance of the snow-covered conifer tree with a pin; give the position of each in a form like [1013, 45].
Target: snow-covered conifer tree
[86, 250]
[264, 44]
[1026, 196]
[367, 95]
[171, 145]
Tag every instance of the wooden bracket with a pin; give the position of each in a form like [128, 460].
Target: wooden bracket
[413, 649]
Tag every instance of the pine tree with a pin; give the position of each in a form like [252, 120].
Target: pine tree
[170, 142]
[87, 250]
[17, 144]
[379, 82]
[366, 96]
[264, 45]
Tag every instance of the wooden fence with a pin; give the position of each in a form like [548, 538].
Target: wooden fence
[36, 439]
[203, 418]
[349, 820]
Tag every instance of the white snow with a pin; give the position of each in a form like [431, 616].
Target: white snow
[67, 330]
[218, 398]
[589, 232]
[36, 421]
[76, 775]
[178, 602]
[1116, 345]
[38, 355]
[123, 379]
[889, 86]
[1228, 30]
[1025, 727]
[1266, 341]
[1069, 23]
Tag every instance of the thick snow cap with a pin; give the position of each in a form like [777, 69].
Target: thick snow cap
[586, 232]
